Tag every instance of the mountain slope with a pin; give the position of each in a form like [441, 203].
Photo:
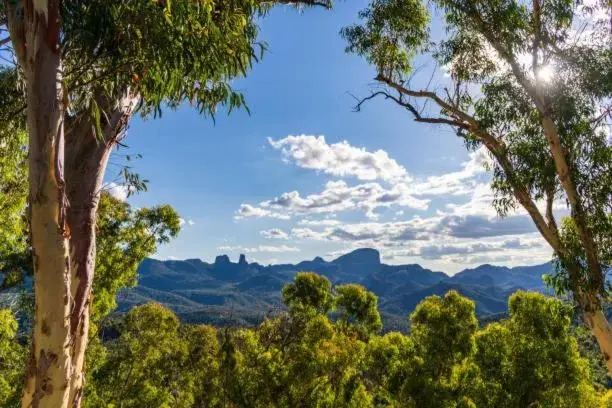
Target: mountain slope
[224, 292]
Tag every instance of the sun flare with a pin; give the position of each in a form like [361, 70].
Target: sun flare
[546, 73]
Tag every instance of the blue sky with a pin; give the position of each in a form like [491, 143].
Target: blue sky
[303, 175]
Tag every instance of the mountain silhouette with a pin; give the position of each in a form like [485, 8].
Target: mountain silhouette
[226, 292]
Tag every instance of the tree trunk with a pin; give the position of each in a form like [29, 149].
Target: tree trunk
[600, 328]
[593, 311]
[47, 381]
[87, 155]
[66, 175]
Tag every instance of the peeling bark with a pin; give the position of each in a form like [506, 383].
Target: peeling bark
[50, 360]
[86, 160]
[66, 173]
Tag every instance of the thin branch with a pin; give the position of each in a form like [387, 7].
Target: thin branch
[5, 41]
[17, 112]
[412, 109]
[550, 216]
[492, 143]
[431, 77]
[454, 111]
[536, 38]
[607, 112]
[506, 55]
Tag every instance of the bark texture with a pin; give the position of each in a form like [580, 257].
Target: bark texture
[87, 155]
[600, 328]
[67, 164]
[50, 362]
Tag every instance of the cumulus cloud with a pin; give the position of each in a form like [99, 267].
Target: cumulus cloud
[274, 233]
[341, 159]
[479, 203]
[374, 233]
[247, 210]
[438, 251]
[338, 159]
[460, 182]
[464, 226]
[475, 226]
[307, 233]
[260, 248]
[335, 197]
[164, 258]
[118, 191]
[319, 223]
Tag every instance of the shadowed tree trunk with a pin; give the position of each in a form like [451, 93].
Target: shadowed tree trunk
[87, 155]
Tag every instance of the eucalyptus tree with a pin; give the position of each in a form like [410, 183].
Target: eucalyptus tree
[88, 67]
[531, 82]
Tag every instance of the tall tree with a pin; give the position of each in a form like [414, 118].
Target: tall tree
[531, 82]
[88, 68]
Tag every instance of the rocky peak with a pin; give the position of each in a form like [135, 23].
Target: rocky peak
[222, 260]
[367, 256]
[242, 260]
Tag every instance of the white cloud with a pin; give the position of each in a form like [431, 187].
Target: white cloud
[118, 191]
[247, 210]
[338, 159]
[386, 234]
[189, 222]
[164, 258]
[459, 182]
[274, 233]
[319, 223]
[260, 248]
[464, 228]
[307, 233]
[336, 196]
[480, 203]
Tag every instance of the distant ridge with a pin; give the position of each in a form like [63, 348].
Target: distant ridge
[225, 292]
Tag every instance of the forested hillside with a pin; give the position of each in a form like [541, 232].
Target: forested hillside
[224, 292]
[302, 358]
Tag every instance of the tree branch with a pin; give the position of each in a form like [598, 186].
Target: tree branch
[536, 38]
[556, 148]
[429, 95]
[550, 216]
[5, 41]
[494, 145]
[412, 109]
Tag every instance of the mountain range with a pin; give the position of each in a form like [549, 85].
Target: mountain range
[243, 293]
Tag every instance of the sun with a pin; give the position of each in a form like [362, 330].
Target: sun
[546, 73]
